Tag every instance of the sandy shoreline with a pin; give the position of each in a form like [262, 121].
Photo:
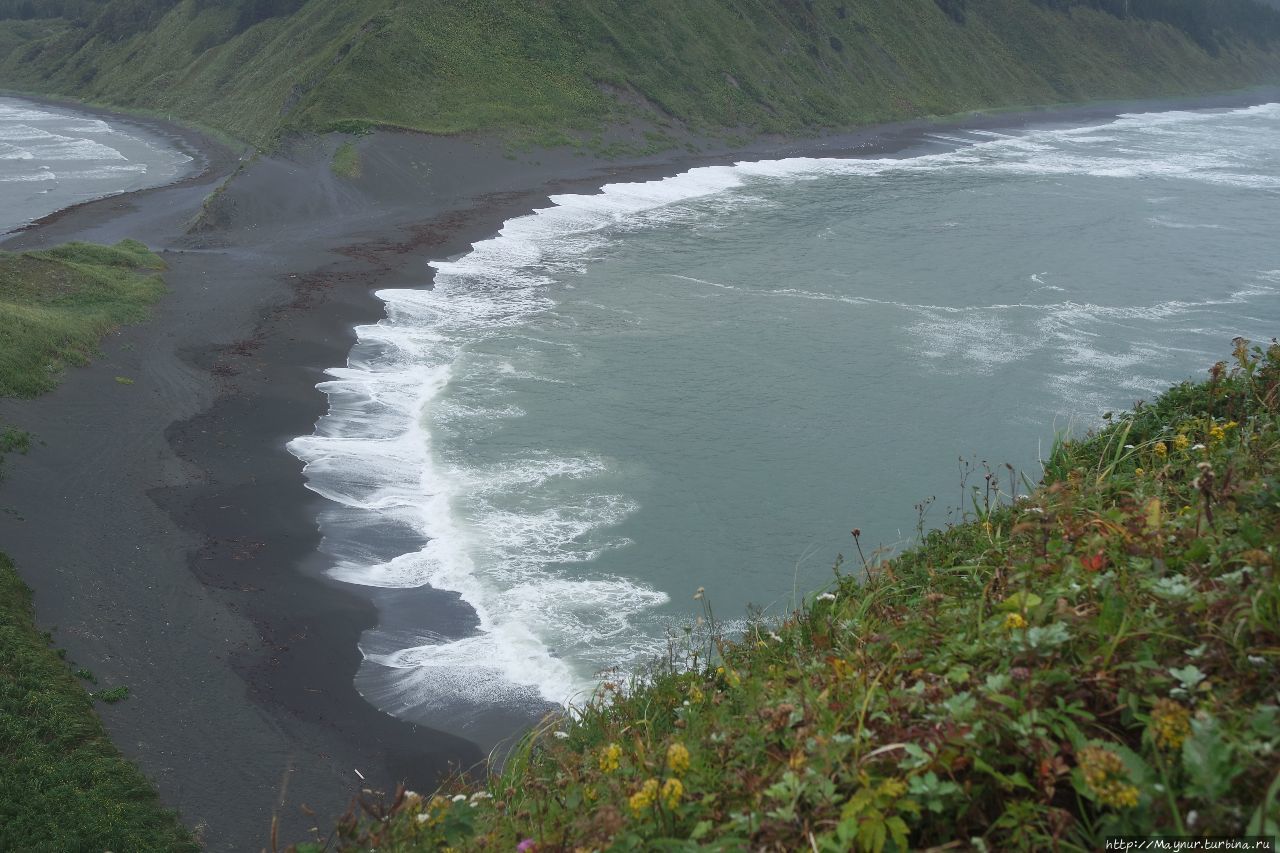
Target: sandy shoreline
[240, 669]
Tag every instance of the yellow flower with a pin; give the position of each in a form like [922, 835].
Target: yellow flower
[609, 757]
[1230, 425]
[695, 695]
[1161, 449]
[1216, 434]
[642, 799]
[672, 791]
[1170, 723]
[1013, 621]
[591, 794]
[678, 758]
[1105, 776]
[1138, 472]
[1181, 442]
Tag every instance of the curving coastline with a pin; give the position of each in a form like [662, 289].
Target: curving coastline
[241, 668]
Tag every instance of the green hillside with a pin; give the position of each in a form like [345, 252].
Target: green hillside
[254, 67]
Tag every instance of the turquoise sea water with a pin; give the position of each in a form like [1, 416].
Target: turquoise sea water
[708, 381]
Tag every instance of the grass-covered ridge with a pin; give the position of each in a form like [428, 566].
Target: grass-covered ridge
[254, 68]
[1101, 657]
[63, 786]
[56, 304]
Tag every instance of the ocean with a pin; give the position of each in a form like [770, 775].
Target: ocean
[708, 381]
[52, 158]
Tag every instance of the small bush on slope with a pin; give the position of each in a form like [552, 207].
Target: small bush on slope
[1100, 658]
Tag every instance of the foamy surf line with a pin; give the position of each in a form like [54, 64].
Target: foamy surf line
[546, 624]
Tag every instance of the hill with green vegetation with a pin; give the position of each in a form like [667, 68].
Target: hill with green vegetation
[1099, 658]
[255, 68]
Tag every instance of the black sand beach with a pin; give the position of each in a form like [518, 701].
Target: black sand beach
[165, 529]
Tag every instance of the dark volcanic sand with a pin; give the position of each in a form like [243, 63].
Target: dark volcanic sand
[166, 531]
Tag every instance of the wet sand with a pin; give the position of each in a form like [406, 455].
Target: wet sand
[167, 532]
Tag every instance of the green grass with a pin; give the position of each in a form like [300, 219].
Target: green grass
[55, 306]
[12, 440]
[1102, 657]
[346, 161]
[63, 786]
[533, 68]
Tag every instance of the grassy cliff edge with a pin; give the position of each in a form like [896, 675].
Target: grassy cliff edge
[1099, 658]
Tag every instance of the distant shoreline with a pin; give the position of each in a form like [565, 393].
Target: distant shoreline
[207, 154]
[240, 668]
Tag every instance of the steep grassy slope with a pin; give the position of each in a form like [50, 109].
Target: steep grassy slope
[761, 65]
[1100, 658]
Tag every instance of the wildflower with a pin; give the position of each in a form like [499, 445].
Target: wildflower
[609, 757]
[1230, 425]
[1170, 723]
[1013, 621]
[1197, 446]
[1094, 562]
[678, 758]
[1105, 776]
[642, 799]
[672, 791]
[695, 695]
[591, 793]
[1138, 472]
[697, 596]
[1216, 434]
[561, 735]
[1181, 442]
[527, 845]
[1161, 448]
